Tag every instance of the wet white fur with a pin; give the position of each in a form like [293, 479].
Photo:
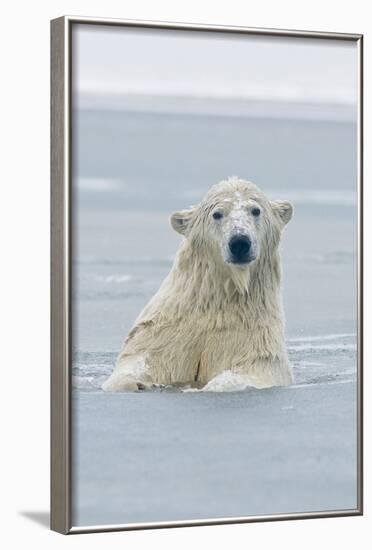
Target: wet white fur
[210, 315]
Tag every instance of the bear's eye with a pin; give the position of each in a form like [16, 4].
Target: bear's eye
[256, 211]
[217, 215]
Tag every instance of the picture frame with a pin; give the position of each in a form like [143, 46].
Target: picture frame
[62, 215]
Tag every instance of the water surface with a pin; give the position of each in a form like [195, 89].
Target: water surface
[173, 455]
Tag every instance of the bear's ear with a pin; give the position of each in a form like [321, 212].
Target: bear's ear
[284, 209]
[180, 220]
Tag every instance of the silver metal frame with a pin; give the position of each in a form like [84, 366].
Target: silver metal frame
[61, 206]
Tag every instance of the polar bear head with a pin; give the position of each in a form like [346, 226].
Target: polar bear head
[235, 223]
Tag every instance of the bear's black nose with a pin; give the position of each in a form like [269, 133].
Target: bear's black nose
[240, 246]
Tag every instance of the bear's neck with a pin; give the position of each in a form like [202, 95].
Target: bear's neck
[203, 285]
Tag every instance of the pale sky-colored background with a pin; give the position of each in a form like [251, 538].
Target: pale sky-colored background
[112, 63]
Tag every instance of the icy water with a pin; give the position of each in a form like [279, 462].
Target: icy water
[175, 455]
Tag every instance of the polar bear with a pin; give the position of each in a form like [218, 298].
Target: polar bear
[217, 319]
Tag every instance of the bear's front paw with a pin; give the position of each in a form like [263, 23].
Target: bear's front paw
[118, 384]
